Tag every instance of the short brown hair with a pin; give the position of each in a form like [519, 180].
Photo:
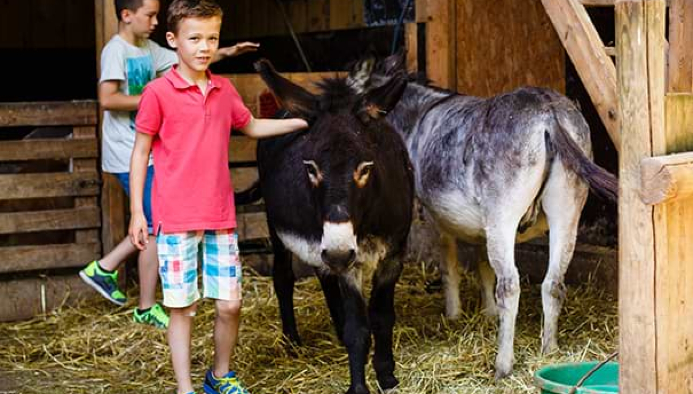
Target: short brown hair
[132, 5]
[181, 9]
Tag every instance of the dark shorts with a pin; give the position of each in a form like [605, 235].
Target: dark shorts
[124, 179]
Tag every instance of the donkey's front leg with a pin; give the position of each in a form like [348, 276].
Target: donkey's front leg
[357, 336]
[381, 311]
[451, 277]
[500, 245]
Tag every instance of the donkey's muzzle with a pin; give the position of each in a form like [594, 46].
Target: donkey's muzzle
[338, 260]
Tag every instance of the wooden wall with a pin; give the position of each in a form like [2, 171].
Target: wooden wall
[504, 44]
[46, 24]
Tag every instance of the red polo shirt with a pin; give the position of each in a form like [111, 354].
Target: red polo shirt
[192, 185]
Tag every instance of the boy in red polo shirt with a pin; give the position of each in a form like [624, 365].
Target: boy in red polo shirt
[185, 118]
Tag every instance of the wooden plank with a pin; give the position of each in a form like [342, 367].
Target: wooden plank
[598, 3]
[440, 43]
[252, 226]
[298, 15]
[58, 219]
[242, 149]
[595, 68]
[667, 178]
[674, 274]
[610, 51]
[243, 178]
[411, 45]
[681, 42]
[56, 113]
[26, 298]
[86, 166]
[318, 15]
[340, 14]
[501, 62]
[40, 257]
[48, 149]
[112, 212]
[48, 185]
[638, 371]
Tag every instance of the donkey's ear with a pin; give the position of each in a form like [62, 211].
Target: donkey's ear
[360, 74]
[292, 97]
[381, 100]
[394, 64]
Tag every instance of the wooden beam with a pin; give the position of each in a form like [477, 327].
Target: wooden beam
[610, 51]
[681, 42]
[26, 298]
[48, 185]
[638, 361]
[667, 178]
[440, 43]
[598, 3]
[48, 149]
[58, 219]
[39, 257]
[59, 113]
[595, 68]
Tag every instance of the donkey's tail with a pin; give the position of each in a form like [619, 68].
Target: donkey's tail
[602, 182]
[248, 196]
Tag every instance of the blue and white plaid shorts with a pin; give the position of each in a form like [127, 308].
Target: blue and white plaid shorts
[221, 266]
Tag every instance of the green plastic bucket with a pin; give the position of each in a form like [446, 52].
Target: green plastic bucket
[561, 378]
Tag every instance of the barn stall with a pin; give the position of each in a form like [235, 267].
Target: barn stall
[469, 46]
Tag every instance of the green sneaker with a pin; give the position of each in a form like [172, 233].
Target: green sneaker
[155, 316]
[106, 283]
[228, 384]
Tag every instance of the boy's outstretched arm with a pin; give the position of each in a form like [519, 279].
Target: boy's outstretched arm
[262, 128]
[235, 50]
[138, 231]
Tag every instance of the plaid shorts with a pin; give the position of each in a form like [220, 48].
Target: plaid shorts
[221, 267]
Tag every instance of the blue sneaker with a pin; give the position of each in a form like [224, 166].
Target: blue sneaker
[106, 283]
[228, 384]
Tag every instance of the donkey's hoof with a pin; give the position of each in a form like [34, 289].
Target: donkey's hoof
[503, 368]
[549, 347]
[388, 382]
[360, 389]
[502, 374]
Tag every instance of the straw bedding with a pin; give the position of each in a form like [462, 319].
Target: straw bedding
[95, 348]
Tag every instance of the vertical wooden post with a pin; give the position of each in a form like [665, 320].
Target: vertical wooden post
[656, 296]
[636, 231]
[112, 197]
[681, 38]
[441, 43]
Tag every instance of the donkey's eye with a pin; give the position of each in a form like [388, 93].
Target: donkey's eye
[314, 174]
[363, 173]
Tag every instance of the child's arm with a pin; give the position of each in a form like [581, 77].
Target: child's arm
[139, 234]
[262, 128]
[236, 50]
[112, 99]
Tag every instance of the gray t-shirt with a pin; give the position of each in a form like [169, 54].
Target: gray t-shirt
[133, 67]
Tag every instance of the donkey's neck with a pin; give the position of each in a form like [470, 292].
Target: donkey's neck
[416, 100]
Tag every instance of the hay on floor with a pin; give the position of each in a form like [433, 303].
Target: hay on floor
[95, 348]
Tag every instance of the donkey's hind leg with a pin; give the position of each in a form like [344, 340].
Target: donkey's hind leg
[487, 281]
[500, 235]
[451, 276]
[562, 202]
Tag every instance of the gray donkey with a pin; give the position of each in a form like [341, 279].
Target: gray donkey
[493, 172]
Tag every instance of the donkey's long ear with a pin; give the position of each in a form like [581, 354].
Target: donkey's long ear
[292, 97]
[360, 74]
[381, 100]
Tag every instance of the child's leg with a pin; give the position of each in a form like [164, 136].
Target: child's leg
[179, 334]
[226, 323]
[122, 251]
[222, 278]
[148, 268]
[177, 257]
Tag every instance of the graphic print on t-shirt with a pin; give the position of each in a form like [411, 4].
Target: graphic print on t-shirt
[139, 72]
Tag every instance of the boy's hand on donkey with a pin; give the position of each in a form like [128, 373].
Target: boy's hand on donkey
[138, 231]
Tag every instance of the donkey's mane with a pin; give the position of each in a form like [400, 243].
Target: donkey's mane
[335, 94]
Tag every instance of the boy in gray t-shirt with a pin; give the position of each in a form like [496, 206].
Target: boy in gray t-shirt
[128, 62]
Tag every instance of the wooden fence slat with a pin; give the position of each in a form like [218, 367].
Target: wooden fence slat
[48, 113]
[58, 219]
[47, 149]
[48, 185]
[22, 298]
[38, 257]
[242, 149]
